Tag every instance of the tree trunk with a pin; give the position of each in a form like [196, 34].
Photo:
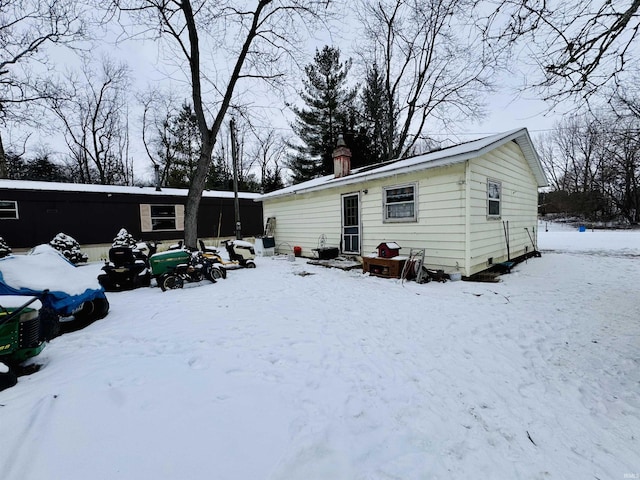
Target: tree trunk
[195, 193]
[209, 135]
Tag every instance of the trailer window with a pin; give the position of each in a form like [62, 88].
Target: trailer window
[161, 217]
[399, 203]
[8, 210]
[494, 195]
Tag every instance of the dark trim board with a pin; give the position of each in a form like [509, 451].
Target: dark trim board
[96, 217]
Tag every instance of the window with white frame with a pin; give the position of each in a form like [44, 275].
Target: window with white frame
[399, 203]
[161, 217]
[494, 196]
[8, 210]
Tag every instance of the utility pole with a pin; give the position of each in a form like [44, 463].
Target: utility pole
[234, 157]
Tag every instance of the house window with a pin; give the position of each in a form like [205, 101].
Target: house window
[8, 210]
[400, 203]
[494, 194]
[161, 217]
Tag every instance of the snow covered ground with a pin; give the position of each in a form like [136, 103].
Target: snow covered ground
[292, 371]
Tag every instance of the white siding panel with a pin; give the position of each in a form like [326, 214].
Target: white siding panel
[440, 225]
[519, 206]
[442, 213]
[301, 219]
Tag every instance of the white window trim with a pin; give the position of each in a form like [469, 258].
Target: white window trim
[415, 204]
[490, 182]
[14, 209]
[146, 222]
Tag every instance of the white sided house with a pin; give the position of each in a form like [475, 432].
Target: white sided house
[470, 206]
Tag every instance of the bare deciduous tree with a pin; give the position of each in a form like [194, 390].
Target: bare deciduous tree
[621, 182]
[27, 27]
[270, 153]
[434, 65]
[579, 143]
[578, 46]
[255, 39]
[94, 113]
[625, 100]
[221, 172]
[157, 108]
[594, 164]
[555, 166]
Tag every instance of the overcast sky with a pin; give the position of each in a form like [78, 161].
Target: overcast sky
[506, 109]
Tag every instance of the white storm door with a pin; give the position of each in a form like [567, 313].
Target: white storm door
[351, 223]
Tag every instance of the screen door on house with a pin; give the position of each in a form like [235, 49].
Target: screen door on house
[351, 223]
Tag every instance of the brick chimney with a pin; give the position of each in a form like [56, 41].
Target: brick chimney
[341, 159]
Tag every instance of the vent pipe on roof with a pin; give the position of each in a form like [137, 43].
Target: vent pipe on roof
[341, 159]
[156, 167]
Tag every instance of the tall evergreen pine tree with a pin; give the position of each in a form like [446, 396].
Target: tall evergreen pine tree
[328, 104]
[380, 115]
[180, 158]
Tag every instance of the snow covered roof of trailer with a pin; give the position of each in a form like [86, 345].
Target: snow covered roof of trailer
[446, 156]
[90, 188]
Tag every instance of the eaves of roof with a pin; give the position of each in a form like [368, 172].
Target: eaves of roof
[91, 188]
[448, 156]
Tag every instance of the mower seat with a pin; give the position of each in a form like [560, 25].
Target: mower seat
[121, 256]
[204, 248]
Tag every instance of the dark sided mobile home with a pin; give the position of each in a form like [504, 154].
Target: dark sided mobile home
[32, 213]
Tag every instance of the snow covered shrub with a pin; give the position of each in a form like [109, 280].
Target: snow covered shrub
[4, 248]
[69, 247]
[124, 239]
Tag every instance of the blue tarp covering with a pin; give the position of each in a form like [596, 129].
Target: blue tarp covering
[63, 303]
[33, 274]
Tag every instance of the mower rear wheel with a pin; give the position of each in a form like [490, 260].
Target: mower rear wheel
[100, 308]
[216, 273]
[171, 282]
[91, 311]
[250, 264]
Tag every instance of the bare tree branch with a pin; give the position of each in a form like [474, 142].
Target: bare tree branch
[263, 32]
[435, 69]
[581, 46]
[26, 28]
[94, 115]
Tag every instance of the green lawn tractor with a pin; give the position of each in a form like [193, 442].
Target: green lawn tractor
[23, 334]
[174, 267]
